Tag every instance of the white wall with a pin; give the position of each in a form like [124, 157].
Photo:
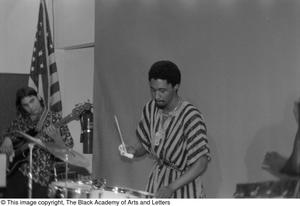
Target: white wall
[73, 24]
[17, 31]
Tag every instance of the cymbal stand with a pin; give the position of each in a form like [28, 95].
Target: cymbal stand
[55, 172]
[297, 190]
[30, 145]
[66, 175]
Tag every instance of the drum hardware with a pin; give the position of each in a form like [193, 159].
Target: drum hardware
[60, 151]
[54, 173]
[89, 187]
[75, 173]
[297, 190]
[21, 148]
[69, 189]
[288, 188]
[66, 174]
[97, 183]
[120, 193]
[84, 187]
[79, 189]
[30, 145]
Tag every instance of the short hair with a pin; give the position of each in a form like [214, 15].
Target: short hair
[165, 70]
[22, 93]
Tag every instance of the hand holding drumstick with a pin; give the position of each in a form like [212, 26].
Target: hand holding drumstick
[122, 147]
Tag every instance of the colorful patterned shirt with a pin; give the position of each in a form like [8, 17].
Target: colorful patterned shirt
[42, 160]
[176, 144]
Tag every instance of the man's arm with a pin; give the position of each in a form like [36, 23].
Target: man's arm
[197, 169]
[137, 150]
[279, 165]
[292, 166]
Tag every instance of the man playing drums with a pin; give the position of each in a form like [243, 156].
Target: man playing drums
[173, 132]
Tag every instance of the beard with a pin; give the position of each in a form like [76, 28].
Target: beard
[160, 104]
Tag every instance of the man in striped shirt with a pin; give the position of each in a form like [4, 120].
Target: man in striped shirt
[173, 133]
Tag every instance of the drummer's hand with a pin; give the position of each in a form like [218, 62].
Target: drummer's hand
[7, 147]
[273, 161]
[164, 192]
[126, 151]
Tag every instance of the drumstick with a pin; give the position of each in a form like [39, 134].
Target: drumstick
[120, 134]
[141, 192]
[128, 155]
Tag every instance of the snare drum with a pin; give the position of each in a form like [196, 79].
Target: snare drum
[69, 189]
[118, 193]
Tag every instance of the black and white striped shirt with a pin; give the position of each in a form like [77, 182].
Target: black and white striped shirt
[175, 145]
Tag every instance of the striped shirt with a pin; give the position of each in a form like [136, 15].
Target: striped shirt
[175, 145]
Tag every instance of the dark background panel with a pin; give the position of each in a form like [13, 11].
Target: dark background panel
[9, 84]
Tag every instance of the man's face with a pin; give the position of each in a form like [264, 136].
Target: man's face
[32, 105]
[162, 92]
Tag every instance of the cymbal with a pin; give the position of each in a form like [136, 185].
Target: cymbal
[30, 138]
[60, 151]
[67, 155]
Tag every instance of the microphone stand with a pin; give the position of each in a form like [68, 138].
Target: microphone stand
[30, 145]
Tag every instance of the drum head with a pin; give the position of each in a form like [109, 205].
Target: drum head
[69, 189]
[119, 193]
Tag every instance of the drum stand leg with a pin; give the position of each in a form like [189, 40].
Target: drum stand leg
[30, 145]
[55, 172]
[66, 175]
[297, 190]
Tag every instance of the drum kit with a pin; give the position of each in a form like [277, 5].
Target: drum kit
[82, 188]
[287, 185]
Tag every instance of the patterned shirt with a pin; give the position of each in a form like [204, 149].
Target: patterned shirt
[42, 160]
[176, 144]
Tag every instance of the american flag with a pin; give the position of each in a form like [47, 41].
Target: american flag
[43, 72]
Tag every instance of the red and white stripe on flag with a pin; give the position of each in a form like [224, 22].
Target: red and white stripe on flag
[43, 72]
